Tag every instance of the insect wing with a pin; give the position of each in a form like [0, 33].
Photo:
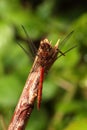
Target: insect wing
[31, 45]
[62, 43]
[64, 47]
[30, 48]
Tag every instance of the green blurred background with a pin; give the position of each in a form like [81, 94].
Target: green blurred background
[64, 100]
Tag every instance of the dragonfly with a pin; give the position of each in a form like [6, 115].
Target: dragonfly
[44, 57]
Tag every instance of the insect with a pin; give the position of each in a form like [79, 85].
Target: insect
[45, 56]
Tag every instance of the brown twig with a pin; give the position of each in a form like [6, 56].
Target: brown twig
[45, 57]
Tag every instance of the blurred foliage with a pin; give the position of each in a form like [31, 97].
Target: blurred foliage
[64, 102]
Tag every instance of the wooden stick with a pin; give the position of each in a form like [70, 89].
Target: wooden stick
[45, 57]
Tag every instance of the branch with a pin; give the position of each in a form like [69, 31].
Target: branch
[45, 57]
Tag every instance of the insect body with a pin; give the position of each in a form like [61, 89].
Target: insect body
[40, 86]
[45, 57]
